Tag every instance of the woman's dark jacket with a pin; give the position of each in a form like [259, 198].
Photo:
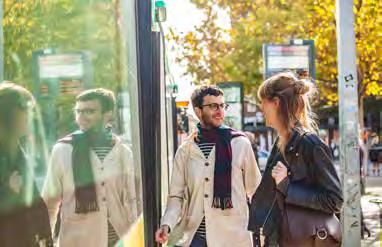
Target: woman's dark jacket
[24, 218]
[312, 182]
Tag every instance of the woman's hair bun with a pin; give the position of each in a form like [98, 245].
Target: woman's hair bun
[302, 86]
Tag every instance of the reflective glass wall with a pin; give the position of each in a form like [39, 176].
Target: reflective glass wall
[59, 48]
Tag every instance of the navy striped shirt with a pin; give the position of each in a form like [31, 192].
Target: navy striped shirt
[102, 152]
[112, 235]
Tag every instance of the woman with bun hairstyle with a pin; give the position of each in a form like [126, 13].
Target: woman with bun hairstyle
[300, 192]
[24, 220]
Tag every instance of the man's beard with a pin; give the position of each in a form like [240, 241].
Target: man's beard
[207, 121]
[96, 128]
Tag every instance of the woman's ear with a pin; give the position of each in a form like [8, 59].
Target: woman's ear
[276, 101]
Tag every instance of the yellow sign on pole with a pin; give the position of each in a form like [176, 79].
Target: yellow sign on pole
[136, 236]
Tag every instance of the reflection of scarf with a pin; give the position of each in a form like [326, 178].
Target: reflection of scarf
[85, 191]
[222, 137]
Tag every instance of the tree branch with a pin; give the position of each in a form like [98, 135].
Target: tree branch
[359, 5]
[327, 81]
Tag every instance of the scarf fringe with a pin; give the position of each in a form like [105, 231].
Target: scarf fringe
[222, 203]
[85, 191]
[83, 208]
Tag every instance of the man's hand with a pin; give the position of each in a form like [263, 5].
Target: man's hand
[161, 234]
[279, 172]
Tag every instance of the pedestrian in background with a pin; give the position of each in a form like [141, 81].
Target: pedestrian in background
[23, 214]
[300, 191]
[251, 137]
[375, 156]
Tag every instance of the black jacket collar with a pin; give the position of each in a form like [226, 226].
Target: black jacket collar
[296, 136]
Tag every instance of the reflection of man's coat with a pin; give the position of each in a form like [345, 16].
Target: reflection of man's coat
[224, 228]
[115, 189]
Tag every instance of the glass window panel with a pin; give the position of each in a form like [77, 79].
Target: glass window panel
[57, 49]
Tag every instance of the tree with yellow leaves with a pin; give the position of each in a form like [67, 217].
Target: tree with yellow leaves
[66, 26]
[239, 58]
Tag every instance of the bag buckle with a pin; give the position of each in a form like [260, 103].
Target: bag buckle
[322, 233]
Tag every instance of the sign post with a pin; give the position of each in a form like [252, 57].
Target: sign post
[234, 97]
[57, 75]
[297, 57]
[348, 123]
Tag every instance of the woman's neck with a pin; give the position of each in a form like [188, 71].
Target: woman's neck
[283, 133]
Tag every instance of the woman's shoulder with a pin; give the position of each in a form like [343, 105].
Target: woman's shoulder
[312, 141]
[312, 138]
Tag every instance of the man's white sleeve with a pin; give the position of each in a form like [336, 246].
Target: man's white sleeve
[177, 189]
[52, 189]
[252, 175]
[130, 193]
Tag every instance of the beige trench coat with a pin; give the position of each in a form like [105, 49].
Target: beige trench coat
[115, 189]
[193, 174]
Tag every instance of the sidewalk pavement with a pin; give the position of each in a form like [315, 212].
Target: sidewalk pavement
[371, 212]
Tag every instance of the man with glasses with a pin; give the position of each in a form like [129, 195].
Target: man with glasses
[90, 180]
[214, 176]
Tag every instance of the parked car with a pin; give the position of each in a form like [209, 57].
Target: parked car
[262, 159]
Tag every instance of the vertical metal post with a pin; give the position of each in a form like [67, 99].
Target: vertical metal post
[1, 43]
[148, 51]
[348, 123]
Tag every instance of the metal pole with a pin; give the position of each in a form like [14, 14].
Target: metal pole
[148, 44]
[1, 43]
[348, 123]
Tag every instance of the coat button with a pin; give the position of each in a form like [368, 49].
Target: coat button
[296, 154]
[104, 199]
[207, 179]
[103, 183]
[289, 173]
[207, 164]
[205, 196]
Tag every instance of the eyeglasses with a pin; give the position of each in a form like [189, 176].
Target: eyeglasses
[86, 111]
[216, 106]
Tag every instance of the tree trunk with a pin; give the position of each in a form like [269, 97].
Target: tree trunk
[118, 59]
[361, 97]
[361, 112]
